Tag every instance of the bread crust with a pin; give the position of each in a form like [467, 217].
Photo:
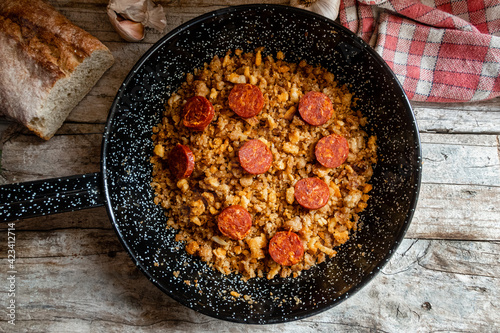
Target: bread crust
[39, 46]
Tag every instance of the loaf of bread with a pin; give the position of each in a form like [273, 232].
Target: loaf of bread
[47, 64]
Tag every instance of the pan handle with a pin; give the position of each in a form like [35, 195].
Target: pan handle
[50, 196]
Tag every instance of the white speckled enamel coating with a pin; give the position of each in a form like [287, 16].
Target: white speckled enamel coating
[127, 146]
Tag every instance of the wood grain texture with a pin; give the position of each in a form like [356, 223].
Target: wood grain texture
[462, 212]
[93, 218]
[26, 157]
[92, 288]
[461, 159]
[74, 275]
[441, 120]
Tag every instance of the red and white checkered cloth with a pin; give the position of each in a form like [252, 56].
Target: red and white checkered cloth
[440, 50]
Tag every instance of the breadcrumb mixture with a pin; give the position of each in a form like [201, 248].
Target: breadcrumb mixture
[218, 181]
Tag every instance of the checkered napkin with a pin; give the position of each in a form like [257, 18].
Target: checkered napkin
[440, 50]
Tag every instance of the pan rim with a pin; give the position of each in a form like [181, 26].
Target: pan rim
[108, 132]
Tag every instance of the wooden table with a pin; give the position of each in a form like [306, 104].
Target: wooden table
[74, 276]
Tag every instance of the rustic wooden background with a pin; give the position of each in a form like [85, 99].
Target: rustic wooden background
[74, 276]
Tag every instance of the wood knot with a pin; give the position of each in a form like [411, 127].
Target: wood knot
[426, 306]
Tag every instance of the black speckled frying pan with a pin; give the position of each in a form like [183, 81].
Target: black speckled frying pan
[123, 184]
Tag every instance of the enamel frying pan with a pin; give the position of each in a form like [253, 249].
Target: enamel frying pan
[123, 185]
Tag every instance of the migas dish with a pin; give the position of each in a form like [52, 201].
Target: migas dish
[124, 182]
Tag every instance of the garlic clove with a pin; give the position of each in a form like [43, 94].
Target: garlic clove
[129, 30]
[148, 13]
[327, 8]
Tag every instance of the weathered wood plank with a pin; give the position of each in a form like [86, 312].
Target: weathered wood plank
[492, 105]
[461, 159]
[462, 212]
[427, 286]
[443, 120]
[65, 243]
[27, 157]
[93, 218]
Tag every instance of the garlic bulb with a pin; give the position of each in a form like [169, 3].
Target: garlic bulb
[129, 17]
[327, 8]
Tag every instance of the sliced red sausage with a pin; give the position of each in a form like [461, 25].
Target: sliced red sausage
[332, 150]
[255, 157]
[234, 222]
[198, 113]
[315, 108]
[286, 248]
[181, 161]
[312, 193]
[246, 100]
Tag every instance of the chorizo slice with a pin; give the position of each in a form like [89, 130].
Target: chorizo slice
[198, 112]
[332, 150]
[315, 108]
[286, 248]
[234, 222]
[255, 157]
[312, 193]
[181, 161]
[246, 100]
